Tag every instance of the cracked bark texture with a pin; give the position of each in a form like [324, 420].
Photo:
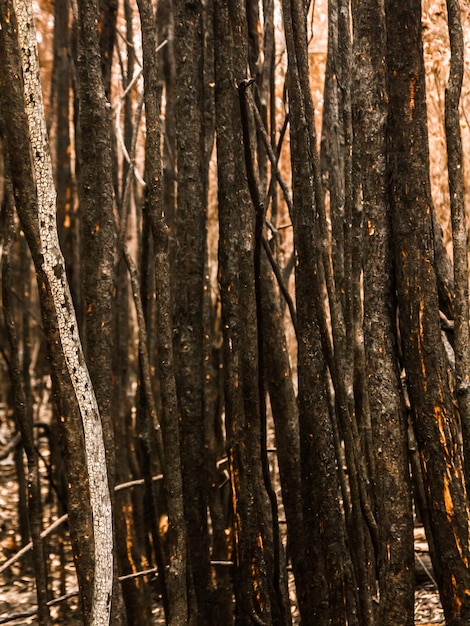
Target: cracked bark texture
[36, 207]
[97, 230]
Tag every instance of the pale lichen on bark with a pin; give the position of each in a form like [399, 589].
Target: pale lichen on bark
[54, 269]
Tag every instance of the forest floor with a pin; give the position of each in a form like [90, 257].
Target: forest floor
[17, 585]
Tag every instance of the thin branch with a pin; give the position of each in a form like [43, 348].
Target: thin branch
[270, 152]
[74, 594]
[58, 522]
[25, 549]
[10, 446]
[280, 281]
[244, 95]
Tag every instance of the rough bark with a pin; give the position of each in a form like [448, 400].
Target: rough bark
[176, 575]
[96, 213]
[280, 599]
[59, 115]
[389, 422]
[24, 421]
[215, 455]
[434, 415]
[276, 364]
[459, 226]
[330, 590]
[188, 275]
[256, 598]
[332, 148]
[167, 73]
[36, 207]
[106, 29]
[285, 416]
[97, 239]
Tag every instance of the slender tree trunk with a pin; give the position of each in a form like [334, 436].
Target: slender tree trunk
[332, 147]
[434, 415]
[96, 211]
[331, 589]
[97, 228]
[459, 227]
[106, 29]
[388, 415]
[24, 421]
[167, 73]
[285, 415]
[62, 150]
[189, 287]
[279, 587]
[176, 576]
[89, 498]
[255, 587]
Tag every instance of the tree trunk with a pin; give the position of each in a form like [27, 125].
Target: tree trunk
[89, 498]
[388, 415]
[188, 275]
[256, 591]
[459, 226]
[97, 229]
[59, 116]
[434, 415]
[176, 575]
[23, 414]
[331, 589]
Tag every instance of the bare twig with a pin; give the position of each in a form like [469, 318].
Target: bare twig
[10, 446]
[58, 522]
[73, 594]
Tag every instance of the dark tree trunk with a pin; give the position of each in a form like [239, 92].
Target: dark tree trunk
[96, 212]
[189, 287]
[97, 228]
[388, 415]
[332, 148]
[257, 599]
[285, 416]
[434, 415]
[106, 29]
[176, 575]
[167, 75]
[32, 503]
[131, 541]
[215, 452]
[331, 589]
[459, 227]
[60, 121]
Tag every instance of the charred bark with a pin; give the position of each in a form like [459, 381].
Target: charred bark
[459, 227]
[254, 587]
[188, 275]
[24, 421]
[388, 415]
[60, 113]
[434, 415]
[176, 575]
[331, 588]
[97, 229]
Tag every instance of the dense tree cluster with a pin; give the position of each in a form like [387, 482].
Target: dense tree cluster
[256, 342]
